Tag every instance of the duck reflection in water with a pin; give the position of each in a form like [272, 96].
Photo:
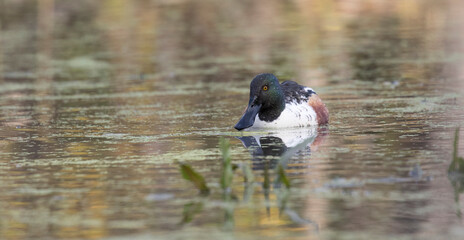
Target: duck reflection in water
[291, 149]
[267, 148]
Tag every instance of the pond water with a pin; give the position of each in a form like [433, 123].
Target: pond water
[100, 101]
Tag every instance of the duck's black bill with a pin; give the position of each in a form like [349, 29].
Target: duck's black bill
[248, 119]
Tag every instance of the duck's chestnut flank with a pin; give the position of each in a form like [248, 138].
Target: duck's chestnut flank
[322, 113]
[279, 105]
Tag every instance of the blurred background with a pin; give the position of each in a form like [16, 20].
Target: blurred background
[100, 99]
[224, 41]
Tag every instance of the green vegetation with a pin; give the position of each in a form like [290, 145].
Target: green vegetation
[198, 180]
[190, 210]
[227, 177]
[457, 165]
[228, 170]
[283, 178]
[456, 173]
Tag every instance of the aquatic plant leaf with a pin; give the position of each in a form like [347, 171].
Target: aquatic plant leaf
[248, 192]
[224, 146]
[229, 208]
[190, 210]
[227, 177]
[235, 167]
[457, 164]
[282, 199]
[456, 173]
[266, 188]
[247, 173]
[282, 177]
[227, 168]
[266, 180]
[189, 174]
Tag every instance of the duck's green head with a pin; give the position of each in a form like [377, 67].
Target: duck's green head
[266, 98]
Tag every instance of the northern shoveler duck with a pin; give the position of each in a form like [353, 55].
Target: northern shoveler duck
[281, 105]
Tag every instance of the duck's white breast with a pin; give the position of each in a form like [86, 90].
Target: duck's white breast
[294, 115]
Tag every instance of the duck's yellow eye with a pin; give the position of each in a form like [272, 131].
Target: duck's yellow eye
[265, 88]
